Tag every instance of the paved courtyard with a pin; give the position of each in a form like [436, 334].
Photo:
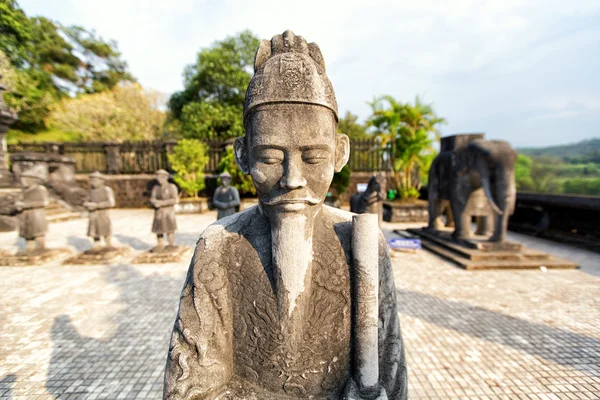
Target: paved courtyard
[101, 332]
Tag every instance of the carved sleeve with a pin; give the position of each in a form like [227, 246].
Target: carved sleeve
[200, 360]
[392, 362]
[40, 201]
[236, 197]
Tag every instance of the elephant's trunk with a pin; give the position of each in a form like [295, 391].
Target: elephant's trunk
[487, 189]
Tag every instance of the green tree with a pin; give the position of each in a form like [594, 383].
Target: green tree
[408, 130]
[126, 112]
[349, 125]
[523, 178]
[53, 62]
[212, 102]
[188, 160]
[242, 182]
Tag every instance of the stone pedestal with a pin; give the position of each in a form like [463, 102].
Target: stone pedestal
[101, 255]
[395, 211]
[162, 255]
[33, 258]
[479, 254]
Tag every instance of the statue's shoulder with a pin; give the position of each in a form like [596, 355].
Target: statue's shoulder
[221, 238]
[339, 220]
[337, 215]
[229, 227]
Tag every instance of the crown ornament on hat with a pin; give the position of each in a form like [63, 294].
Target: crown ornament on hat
[287, 69]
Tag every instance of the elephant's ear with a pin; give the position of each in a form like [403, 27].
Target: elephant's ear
[462, 161]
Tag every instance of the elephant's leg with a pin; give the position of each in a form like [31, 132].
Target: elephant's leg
[500, 228]
[449, 216]
[435, 213]
[462, 219]
[485, 225]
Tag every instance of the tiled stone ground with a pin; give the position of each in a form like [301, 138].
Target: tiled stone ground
[101, 332]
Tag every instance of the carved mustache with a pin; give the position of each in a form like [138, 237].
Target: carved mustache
[288, 199]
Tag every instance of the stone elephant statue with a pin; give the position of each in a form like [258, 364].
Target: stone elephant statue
[456, 174]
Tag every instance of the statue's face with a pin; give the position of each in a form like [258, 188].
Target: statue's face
[162, 179]
[293, 152]
[226, 182]
[96, 182]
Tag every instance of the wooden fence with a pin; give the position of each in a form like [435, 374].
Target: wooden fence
[366, 155]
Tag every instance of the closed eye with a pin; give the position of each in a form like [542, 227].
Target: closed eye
[315, 156]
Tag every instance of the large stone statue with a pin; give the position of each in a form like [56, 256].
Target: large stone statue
[460, 175]
[163, 198]
[100, 199]
[226, 197]
[271, 308]
[32, 222]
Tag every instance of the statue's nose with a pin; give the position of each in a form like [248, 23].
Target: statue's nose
[292, 177]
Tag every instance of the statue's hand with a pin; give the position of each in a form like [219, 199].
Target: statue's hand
[353, 392]
[90, 205]
[19, 205]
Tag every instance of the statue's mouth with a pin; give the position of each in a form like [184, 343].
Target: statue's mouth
[294, 204]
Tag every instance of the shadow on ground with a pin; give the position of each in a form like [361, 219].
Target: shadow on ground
[6, 384]
[553, 344]
[132, 360]
[133, 242]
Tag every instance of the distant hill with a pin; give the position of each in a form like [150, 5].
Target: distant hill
[584, 151]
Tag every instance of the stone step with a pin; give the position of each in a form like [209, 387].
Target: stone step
[472, 259]
[444, 240]
[524, 263]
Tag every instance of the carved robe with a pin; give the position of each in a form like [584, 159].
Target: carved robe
[164, 217]
[226, 200]
[32, 221]
[228, 341]
[99, 219]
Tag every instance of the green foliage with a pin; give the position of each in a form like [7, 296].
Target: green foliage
[341, 180]
[243, 183]
[125, 112]
[590, 186]
[188, 160]
[15, 136]
[211, 104]
[409, 131]
[211, 120]
[523, 178]
[52, 62]
[350, 127]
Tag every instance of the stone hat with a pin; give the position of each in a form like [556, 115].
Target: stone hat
[162, 172]
[225, 175]
[97, 175]
[289, 70]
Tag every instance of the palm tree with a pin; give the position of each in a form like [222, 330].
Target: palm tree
[407, 130]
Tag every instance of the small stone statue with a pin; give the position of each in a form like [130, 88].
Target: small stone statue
[226, 197]
[163, 198]
[290, 299]
[32, 223]
[370, 201]
[100, 199]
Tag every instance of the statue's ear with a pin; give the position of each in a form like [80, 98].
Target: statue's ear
[241, 154]
[342, 151]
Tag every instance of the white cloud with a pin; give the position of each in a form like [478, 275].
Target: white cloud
[474, 59]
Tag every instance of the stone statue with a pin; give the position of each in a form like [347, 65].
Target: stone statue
[163, 198]
[32, 221]
[479, 175]
[371, 200]
[100, 199]
[269, 309]
[226, 197]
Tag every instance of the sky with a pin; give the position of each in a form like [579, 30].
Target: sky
[523, 71]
